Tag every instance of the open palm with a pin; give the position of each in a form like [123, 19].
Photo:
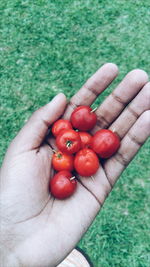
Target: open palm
[36, 229]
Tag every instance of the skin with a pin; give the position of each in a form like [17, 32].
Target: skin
[36, 229]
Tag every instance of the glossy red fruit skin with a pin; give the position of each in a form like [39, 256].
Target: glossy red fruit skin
[66, 136]
[60, 125]
[61, 186]
[62, 161]
[85, 139]
[105, 143]
[83, 119]
[86, 162]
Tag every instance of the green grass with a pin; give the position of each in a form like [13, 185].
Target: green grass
[48, 47]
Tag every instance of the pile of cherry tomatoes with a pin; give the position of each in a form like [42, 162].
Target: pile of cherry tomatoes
[78, 150]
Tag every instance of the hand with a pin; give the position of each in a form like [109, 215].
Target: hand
[36, 229]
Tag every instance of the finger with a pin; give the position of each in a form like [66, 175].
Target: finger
[93, 87]
[46, 153]
[33, 133]
[98, 185]
[129, 116]
[130, 145]
[52, 142]
[120, 97]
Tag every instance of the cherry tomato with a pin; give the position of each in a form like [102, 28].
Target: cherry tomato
[60, 125]
[62, 161]
[83, 119]
[62, 186]
[86, 162]
[85, 139]
[105, 143]
[68, 141]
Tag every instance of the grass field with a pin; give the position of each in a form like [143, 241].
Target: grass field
[48, 47]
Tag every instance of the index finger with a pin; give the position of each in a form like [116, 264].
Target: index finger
[95, 85]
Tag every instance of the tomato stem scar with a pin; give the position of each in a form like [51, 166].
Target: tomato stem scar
[72, 178]
[68, 143]
[94, 109]
[59, 155]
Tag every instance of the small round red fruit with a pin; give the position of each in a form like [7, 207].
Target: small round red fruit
[86, 162]
[105, 143]
[62, 161]
[68, 141]
[63, 185]
[83, 118]
[85, 139]
[60, 125]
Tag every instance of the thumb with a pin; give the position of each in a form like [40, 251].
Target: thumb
[34, 131]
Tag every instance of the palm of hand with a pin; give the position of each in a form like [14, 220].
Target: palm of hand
[43, 229]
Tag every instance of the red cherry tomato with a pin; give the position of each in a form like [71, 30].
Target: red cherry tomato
[62, 186]
[86, 162]
[62, 161]
[83, 119]
[85, 139]
[68, 141]
[105, 143]
[60, 125]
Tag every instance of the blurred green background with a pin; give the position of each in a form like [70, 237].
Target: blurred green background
[48, 47]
